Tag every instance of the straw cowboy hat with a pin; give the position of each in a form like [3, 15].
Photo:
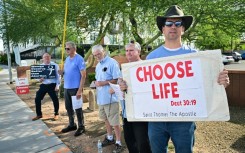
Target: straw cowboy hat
[174, 12]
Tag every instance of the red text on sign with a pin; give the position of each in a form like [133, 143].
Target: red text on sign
[169, 71]
[166, 90]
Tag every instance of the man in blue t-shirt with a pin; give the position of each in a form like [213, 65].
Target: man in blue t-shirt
[173, 24]
[107, 71]
[74, 77]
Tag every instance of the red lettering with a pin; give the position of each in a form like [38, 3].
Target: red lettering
[188, 68]
[147, 73]
[169, 89]
[166, 90]
[169, 65]
[138, 75]
[158, 72]
[174, 90]
[161, 91]
[181, 73]
[154, 92]
[155, 68]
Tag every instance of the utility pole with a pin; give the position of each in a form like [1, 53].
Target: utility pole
[6, 41]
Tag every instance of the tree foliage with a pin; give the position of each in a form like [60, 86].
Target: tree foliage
[217, 24]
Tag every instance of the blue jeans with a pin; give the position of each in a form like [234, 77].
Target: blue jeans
[181, 134]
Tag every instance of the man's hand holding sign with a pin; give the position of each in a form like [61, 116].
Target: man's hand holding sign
[179, 88]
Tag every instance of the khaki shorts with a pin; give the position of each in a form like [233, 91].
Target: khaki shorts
[110, 112]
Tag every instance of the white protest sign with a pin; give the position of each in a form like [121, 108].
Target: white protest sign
[177, 88]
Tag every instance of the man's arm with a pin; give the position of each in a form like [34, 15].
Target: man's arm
[115, 71]
[82, 81]
[103, 83]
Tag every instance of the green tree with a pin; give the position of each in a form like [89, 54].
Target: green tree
[217, 24]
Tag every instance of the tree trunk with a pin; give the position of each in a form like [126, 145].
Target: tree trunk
[101, 35]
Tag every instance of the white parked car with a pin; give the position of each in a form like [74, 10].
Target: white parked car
[227, 59]
[237, 56]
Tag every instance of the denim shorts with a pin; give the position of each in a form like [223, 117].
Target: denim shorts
[181, 134]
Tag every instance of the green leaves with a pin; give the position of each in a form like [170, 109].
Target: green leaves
[216, 22]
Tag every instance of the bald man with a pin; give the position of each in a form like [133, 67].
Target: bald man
[50, 86]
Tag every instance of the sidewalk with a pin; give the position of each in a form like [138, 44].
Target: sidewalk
[18, 133]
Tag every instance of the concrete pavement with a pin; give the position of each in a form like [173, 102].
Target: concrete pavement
[4, 74]
[18, 133]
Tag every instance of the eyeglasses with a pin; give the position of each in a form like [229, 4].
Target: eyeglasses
[97, 55]
[67, 48]
[170, 23]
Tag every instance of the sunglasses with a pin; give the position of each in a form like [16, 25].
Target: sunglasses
[67, 48]
[170, 23]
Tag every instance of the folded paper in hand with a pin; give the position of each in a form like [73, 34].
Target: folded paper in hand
[76, 103]
[117, 91]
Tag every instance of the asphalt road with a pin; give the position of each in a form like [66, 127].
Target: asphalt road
[236, 65]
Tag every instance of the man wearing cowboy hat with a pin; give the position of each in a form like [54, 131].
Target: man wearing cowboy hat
[173, 25]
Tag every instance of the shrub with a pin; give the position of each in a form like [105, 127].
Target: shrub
[3, 59]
